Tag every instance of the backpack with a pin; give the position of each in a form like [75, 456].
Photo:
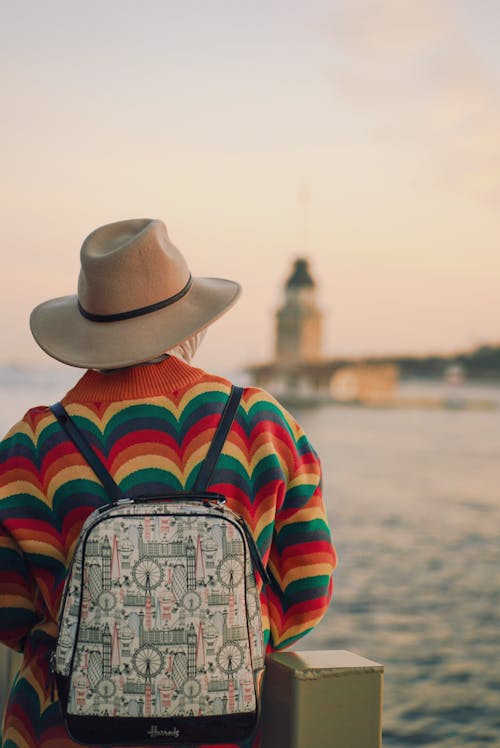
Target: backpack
[160, 632]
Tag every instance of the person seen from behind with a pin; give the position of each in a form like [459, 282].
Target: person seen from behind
[150, 415]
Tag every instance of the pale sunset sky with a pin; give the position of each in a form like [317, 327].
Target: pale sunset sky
[363, 134]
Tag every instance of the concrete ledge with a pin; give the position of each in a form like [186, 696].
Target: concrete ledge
[318, 699]
[322, 699]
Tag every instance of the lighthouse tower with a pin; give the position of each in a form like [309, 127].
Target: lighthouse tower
[299, 321]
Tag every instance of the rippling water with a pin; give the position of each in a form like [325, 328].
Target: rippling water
[414, 503]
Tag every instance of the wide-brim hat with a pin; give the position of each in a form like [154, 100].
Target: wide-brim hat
[136, 299]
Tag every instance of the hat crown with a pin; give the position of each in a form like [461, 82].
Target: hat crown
[128, 265]
[136, 299]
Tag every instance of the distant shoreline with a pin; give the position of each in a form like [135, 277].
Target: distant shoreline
[421, 393]
[397, 403]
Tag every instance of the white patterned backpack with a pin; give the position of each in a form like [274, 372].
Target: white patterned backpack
[160, 632]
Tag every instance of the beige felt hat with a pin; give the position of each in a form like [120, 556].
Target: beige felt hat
[136, 299]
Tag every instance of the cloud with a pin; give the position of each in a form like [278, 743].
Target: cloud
[388, 31]
[415, 73]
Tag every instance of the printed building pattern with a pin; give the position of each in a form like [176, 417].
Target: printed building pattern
[163, 625]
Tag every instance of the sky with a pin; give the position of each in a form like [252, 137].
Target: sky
[362, 134]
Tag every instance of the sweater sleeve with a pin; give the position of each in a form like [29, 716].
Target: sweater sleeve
[17, 594]
[17, 586]
[302, 557]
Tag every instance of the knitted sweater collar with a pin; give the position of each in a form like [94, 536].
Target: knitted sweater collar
[148, 380]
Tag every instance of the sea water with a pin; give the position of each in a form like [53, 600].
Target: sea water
[413, 498]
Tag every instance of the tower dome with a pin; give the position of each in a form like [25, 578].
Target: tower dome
[300, 275]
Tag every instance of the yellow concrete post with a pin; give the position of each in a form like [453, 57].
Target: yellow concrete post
[330, 699]
[9, 665]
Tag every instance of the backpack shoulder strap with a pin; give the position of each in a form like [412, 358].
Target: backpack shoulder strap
[227, 418]
[81, 443]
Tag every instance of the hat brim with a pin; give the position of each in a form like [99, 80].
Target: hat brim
[64, 334]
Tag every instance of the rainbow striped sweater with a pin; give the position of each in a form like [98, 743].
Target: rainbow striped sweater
[151, 425]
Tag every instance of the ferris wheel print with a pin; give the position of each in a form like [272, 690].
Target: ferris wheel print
[106, 688]
[106, 601]
[230, 572]
[229, 658]
[191, 688]
[147, 574]
[191, 601]
[148, 662]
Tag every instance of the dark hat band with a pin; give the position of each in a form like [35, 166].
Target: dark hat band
[136, 312]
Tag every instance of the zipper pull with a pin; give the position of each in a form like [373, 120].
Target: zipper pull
[52, 675]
